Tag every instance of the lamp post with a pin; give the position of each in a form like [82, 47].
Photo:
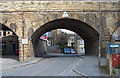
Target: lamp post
[99, 55]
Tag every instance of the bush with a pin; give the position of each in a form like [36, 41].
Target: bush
[118, 66]
[114, 72]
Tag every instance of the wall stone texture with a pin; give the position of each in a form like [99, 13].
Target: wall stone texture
[33, 14]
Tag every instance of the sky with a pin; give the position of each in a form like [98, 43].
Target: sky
[67, 31]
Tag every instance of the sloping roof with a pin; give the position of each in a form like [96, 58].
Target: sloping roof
[4, 27]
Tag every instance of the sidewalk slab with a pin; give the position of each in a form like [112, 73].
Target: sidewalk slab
[89, 67]
[7, 65]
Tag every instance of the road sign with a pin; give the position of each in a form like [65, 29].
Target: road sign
[65, 14]
[43, 37]
[24, 41]
[114, 45]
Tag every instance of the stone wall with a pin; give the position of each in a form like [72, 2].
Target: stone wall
[28, 16]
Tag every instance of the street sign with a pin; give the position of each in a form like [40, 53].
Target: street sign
[43, 37]
[24, 41]
[114, 45]
[65, 14]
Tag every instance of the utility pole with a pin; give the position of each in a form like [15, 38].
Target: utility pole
[99, 55]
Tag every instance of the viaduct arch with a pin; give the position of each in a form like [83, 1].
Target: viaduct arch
[87, 32]
[34, 15]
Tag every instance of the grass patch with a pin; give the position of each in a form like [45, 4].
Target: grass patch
[103, 67]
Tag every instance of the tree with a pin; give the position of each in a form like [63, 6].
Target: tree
[62, 40]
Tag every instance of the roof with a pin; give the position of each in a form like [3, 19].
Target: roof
[4, 27]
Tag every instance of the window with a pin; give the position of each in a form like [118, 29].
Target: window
[72, 39]
[8, 32]
[81, 41]
[4, 33]
[81, 45]
[0, 33]
[82, 50]
[3, 45]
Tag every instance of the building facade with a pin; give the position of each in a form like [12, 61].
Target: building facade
[9, 43]
[71, 40]
[80, 46]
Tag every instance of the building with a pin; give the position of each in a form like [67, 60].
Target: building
[55, 33]
[80, 46]
[9, 42]
[52, 37]
[77, 43]
[71, 40]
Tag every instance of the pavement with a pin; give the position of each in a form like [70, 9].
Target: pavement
[52, 66]
[89, 67]
[11, 62]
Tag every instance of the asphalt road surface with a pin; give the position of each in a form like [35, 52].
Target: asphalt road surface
[55, 66]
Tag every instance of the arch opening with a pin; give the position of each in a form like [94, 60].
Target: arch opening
[87, 32]
[9, 45]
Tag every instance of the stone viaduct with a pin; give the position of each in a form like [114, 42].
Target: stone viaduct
[31, 19]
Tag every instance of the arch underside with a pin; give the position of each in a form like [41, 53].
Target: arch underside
[10, 39]
[6, 28]
[88, 33]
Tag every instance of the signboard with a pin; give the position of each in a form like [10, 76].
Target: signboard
[114, 45]
[43, 37]
[65, 14]
[24, 41]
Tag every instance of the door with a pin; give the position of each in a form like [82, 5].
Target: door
[14, 48]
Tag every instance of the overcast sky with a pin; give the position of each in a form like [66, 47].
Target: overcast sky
[67, 31]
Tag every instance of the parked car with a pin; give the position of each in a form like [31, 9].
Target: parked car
[72, 51]
[67, 50]
[17, 52]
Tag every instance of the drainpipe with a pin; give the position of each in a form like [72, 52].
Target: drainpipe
[99, 55]
[23, 24]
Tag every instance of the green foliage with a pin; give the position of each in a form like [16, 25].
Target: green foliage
[118, 66]
[68, 47]
[62, 40]
[114, 72]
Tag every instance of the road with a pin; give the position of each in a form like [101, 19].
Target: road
[55, 66]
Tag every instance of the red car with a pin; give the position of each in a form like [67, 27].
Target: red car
[17, 52]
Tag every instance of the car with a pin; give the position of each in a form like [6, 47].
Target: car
[72, 51]
[67, 50]
[17, 52]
